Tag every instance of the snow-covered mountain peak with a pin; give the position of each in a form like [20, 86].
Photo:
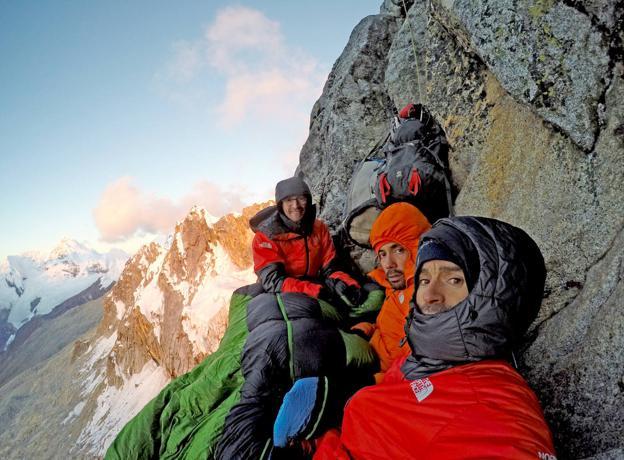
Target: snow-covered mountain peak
[167, 311]
[172, 298]
[69, 247]
[199, 212]
[34, 283]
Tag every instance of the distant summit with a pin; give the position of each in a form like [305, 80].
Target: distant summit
[35, 284]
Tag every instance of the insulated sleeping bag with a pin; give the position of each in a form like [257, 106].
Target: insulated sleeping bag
[291, 336]
[225, 407]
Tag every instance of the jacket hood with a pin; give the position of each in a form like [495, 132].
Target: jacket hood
[273, 223]
[291, 186]
[503, 302]
[400, 223]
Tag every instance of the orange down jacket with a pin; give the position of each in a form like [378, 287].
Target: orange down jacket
[399, 223]
[474, 411]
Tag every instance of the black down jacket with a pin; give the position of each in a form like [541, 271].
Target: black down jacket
[290, 336]
[503, 302]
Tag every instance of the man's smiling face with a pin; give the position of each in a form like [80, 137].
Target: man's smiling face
[440, 286]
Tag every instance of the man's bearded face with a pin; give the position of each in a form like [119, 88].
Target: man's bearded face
[392, 258]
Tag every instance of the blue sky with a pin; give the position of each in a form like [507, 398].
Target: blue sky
[118, 116]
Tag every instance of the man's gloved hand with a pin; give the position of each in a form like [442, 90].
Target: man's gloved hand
[350, 295]
[370, 305]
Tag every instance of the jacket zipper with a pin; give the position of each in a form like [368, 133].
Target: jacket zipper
[305, 243]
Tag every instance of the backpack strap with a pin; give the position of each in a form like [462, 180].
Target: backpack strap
[414, 182]
[384, 187]
[447, 184]
[379, 143]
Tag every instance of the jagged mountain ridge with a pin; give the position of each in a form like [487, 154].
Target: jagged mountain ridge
[34, 284]
[167, 312]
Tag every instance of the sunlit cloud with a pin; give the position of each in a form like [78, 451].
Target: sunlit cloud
[125, 210]
[264, 79]
[272, 94]
[241, 37]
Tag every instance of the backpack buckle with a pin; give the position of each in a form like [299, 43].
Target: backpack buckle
[414, 183]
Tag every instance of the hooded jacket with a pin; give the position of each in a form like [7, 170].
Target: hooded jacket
[454, 396]
[399, 223]
[291, 257]
[504, 300]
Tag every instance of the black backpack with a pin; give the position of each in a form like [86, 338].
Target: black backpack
[414, 168]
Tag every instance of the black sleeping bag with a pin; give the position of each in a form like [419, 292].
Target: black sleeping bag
[291, 336]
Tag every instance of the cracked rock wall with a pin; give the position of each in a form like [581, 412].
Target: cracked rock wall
[531, 95]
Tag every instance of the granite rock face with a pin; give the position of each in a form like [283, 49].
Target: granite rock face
[544, 53]
[351, 115]
[531, 96]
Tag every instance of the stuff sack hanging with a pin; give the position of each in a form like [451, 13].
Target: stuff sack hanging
[415, 169]
[361, 207]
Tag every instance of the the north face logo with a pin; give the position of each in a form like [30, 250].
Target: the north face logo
[266, 245]
[545, 456]
[422, 388]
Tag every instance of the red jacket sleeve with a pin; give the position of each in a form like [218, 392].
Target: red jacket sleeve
[264, 251]
[269, 266]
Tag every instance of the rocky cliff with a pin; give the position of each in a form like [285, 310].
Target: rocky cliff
[531, 96]
[165, 314]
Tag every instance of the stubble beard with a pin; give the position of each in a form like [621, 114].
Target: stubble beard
[396, 285]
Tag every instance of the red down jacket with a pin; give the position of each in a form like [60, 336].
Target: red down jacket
[474, 411]
[286, 261]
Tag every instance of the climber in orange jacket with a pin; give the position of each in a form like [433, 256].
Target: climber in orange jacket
[394, 238]
[293, 251]
[480, 285]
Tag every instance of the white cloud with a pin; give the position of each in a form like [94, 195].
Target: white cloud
[124, 211]
[186, 63]
[264, 79]
[236, 33]
[268, 94]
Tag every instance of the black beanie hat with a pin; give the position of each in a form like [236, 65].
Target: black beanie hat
[291, 186]
[435, 249]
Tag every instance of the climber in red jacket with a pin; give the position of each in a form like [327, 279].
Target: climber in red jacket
[293, 251]
[479, 286]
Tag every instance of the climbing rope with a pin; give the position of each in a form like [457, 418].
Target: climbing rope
[413, 40]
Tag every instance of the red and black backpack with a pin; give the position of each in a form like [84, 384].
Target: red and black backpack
[412, 166]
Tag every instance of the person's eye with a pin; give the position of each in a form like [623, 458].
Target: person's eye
[423, 281]
[456, 281]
